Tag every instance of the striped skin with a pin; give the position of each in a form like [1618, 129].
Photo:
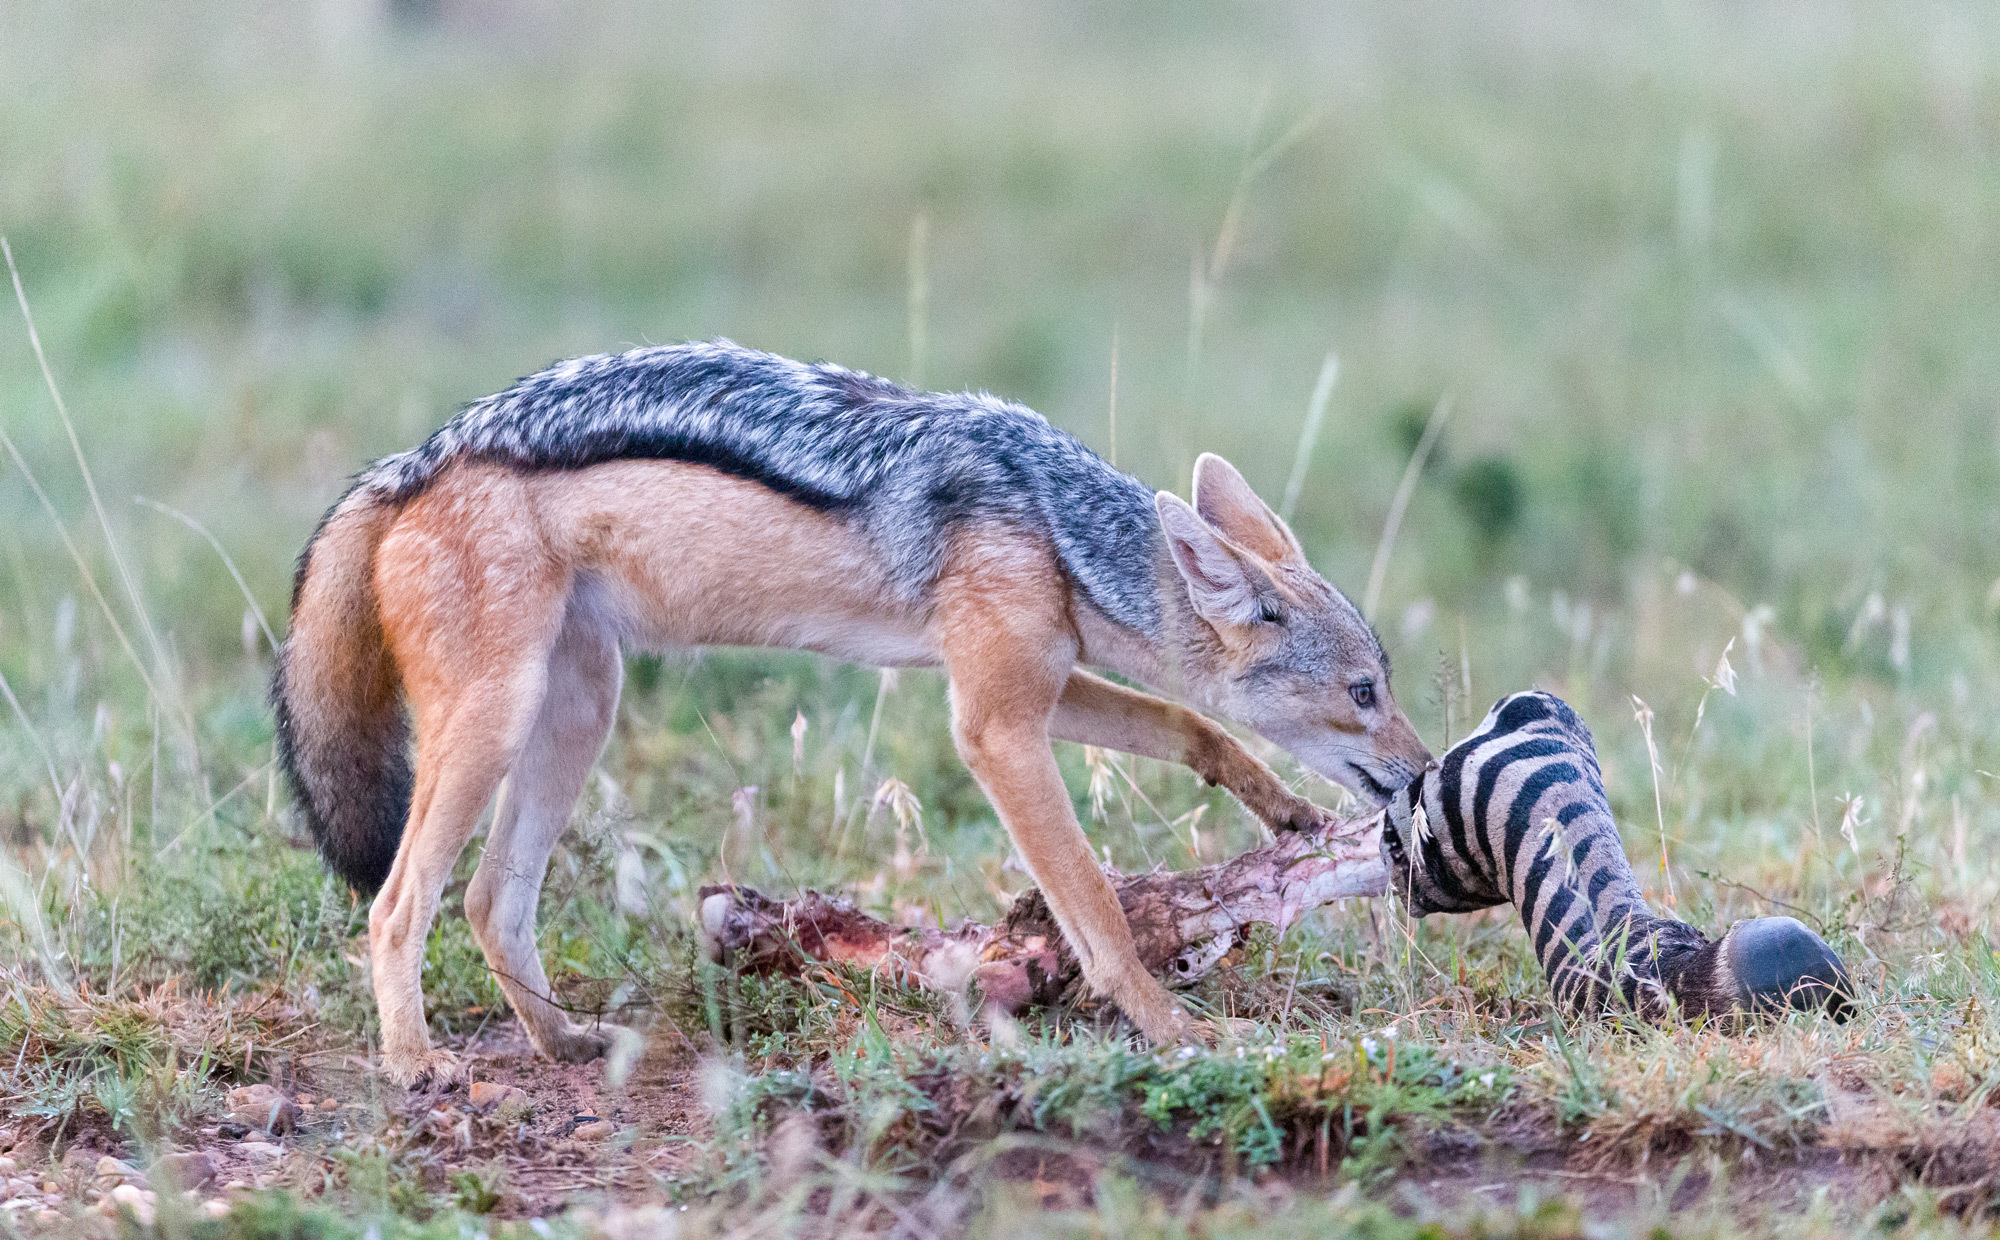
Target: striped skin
[1516, 813]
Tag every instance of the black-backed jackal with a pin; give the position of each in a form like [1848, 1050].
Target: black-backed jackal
[710, 495]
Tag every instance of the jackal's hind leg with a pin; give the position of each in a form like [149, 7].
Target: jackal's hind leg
[1096, 711]
[585, 673]
[471, 636]
[459, 764]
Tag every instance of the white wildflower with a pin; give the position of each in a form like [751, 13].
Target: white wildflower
[908, 812]
[1518, 598]
[1850, 818]
[1874, 610]
[1725, 675]
[1102, 786]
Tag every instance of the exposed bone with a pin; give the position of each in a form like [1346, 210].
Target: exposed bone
[1184, 923]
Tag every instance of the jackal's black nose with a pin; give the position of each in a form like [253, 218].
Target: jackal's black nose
[1780, 964]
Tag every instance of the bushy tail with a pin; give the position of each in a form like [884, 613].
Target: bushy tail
[343, 737]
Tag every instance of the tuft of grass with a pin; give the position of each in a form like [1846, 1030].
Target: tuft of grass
[144, 1067]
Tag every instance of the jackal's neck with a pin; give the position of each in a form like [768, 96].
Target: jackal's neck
[1180, 658]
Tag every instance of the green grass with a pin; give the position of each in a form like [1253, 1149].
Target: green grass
[1709, 286]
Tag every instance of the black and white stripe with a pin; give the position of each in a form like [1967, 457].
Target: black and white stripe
[1516, 813]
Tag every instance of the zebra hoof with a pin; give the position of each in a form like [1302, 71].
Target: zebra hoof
[1779, 964]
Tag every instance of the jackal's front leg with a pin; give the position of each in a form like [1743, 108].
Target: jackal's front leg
[1008, 656]
[1095, 711]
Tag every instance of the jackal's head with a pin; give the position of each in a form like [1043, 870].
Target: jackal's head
[1270, 642]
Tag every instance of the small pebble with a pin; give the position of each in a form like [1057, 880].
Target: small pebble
[8, 1166]
[188, 1170]
[594, 1130]
[78, 1157]
[138, 1200]
[262, 1151]
[109, 1168]
[215, 1207]
[329, 1104]
[262, 1106]
[486, 1095]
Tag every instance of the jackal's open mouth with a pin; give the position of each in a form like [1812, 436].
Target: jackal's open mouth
[1374, 787]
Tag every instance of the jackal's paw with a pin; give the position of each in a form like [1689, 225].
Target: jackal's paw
[575, 1044]
[1306, 818]
[1208, 1030]
[431, 1067]
[1160, 1017]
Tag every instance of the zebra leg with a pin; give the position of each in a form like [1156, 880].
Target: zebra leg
[1431, 868]
[1516, 812]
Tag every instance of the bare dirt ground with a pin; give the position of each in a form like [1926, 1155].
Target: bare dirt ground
[570, 1138]
[1748, 1188]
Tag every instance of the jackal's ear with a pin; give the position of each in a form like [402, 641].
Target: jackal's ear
[1225, 501]
[1221, 582]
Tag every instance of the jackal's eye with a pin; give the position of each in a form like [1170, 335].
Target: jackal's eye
[1267, 612]
[1363, 694]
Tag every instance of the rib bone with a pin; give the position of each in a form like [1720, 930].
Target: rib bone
[1183, 922]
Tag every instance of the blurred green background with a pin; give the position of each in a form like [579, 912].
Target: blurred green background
[1711, 287]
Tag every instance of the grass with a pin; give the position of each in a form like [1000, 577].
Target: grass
[1705, 288]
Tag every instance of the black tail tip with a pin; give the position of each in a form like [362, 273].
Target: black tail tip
[1780, 965]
